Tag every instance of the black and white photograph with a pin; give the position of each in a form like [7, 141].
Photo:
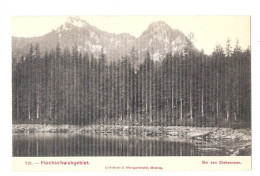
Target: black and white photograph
[131, 86]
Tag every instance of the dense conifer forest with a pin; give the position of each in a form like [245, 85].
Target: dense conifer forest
[187, 88]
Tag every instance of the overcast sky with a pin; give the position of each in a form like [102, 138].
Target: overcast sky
[209, 30]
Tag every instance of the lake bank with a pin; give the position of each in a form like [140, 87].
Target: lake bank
[235, 141]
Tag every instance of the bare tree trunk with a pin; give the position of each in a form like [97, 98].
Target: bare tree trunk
[202, 104]
[17, 101]
[237, 107]
[37, 102]
[146, 103]
[37, 110]
[172, 106]
[181, 110]
[130, 114]
[50, 93]
[217, 96]
[217, 107]
[176, 89]
[190, 105]
[29, 115]
[227, 106]
[151, 118]
[235, 112]
[233, 104]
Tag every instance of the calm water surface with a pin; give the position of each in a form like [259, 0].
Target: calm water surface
[57, 144]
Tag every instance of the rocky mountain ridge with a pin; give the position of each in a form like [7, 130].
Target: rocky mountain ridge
[159, 39]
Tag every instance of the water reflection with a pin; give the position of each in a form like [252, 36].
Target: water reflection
[48, 144]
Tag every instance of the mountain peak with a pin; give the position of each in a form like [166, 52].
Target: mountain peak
[160, 38]
[76, 21]
[158, 23]
[156, 28]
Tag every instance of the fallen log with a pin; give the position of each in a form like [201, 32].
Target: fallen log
[203, 136]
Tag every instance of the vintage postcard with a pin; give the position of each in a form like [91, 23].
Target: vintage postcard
[131, 93]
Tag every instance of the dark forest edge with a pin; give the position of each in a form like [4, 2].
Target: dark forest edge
[188, 88]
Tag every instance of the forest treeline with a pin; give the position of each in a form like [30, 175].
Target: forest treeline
[187, 88]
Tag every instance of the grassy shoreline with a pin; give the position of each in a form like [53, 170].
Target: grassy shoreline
[236, 141]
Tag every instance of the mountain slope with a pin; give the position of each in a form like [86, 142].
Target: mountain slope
[159, 38]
